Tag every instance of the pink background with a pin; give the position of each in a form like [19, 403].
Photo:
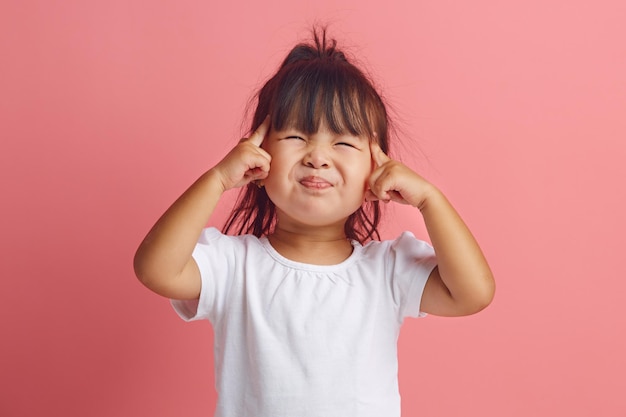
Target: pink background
[109, 110]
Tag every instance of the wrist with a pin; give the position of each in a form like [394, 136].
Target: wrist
[214, 180]
[432, 196]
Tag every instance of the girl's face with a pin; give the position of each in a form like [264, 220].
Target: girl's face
[318, 179]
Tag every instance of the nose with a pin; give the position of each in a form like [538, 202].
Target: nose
[316, 157]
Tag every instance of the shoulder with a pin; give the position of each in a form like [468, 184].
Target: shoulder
[405, 244]
[404, 257]
[213, 237]
[217, 248]
[406, 264]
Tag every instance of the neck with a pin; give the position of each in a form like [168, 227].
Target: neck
[318, 246]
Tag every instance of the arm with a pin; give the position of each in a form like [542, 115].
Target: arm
[462, 282]
[163, 261]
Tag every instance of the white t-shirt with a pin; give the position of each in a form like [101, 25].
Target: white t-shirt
[302, 340]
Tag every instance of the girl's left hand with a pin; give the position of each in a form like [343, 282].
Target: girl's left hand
[462, 282]
[393, 181]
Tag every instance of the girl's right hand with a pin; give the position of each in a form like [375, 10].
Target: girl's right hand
[245, 162]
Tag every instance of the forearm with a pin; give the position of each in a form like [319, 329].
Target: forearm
[166, 250]
[462, 266]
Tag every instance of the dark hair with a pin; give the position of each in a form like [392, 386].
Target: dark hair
[315, 84]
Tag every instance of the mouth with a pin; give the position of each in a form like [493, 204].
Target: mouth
[315, 183]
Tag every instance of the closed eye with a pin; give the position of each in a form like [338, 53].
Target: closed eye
[294, 137]
[346, 144]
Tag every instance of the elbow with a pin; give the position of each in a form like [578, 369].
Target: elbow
[160, 279]
[483, 296]
[141, 269]
[480, 305]
[475, 298]
[147, 277]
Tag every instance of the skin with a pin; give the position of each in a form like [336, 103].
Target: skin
[316, 181]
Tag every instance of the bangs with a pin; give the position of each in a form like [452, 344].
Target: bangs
[313, 94]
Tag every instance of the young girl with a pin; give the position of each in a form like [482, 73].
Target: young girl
[305, 301]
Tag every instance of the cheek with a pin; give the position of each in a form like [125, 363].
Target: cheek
[361, 185]
[277, 168]
[366, 172]
[272, 189]
[277, 177]
[357, 171]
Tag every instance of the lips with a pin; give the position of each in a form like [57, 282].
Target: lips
[315, 183]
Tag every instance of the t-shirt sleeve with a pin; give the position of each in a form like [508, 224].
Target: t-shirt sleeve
[412, 261]
[213, 264]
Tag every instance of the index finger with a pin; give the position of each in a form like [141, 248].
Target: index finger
[260, 132]
[378, 156]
